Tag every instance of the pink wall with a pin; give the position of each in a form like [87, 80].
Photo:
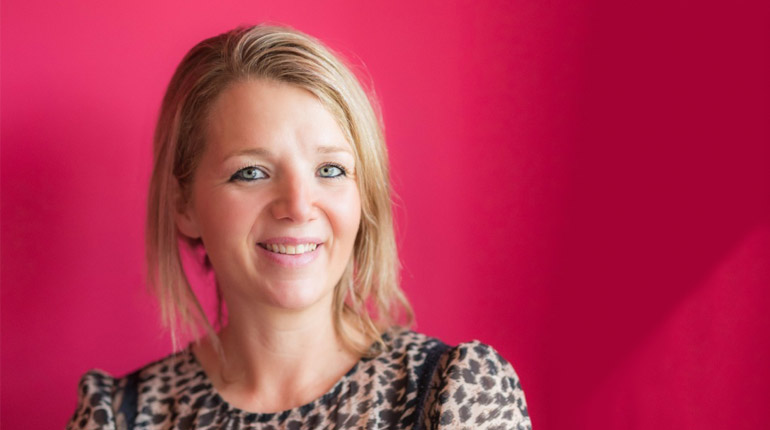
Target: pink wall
[584, 185]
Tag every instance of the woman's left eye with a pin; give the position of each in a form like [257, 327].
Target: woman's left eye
[331, 171]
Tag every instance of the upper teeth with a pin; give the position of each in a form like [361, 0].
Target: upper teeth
[291, 249]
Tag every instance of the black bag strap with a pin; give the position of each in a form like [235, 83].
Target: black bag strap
[432, 359]
[129, 405]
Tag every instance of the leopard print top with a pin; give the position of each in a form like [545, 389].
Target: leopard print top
[418, 382]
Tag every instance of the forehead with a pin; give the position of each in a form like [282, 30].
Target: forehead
[269, 113]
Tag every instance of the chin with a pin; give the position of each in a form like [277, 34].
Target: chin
[297, 296]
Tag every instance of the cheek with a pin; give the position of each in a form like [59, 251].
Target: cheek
[347, 216]
[226, 217]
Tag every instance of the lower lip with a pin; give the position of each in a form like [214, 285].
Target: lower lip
[290, 260]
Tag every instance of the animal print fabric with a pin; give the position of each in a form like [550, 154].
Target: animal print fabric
[469, 386]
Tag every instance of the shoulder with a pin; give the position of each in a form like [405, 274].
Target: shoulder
[414, 353]
[401, 340]
[96, 390]
[478, 364]
[476, 387]
[107, 402]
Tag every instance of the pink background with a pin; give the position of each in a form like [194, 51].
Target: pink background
[583, 185]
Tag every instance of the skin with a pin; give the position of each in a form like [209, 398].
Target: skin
[276, 165]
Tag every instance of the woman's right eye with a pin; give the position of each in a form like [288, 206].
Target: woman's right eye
[248, 174]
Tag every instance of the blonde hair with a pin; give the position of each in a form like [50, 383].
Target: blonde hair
[368, 292]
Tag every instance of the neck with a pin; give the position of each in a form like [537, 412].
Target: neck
[267, 339]
[276, 359]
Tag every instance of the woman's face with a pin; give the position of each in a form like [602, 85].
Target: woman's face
[274, 198]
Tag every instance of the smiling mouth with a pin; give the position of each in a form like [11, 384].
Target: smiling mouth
[301, 248]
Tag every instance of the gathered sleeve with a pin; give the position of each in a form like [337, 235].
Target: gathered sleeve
[96, 392]
[476, 388]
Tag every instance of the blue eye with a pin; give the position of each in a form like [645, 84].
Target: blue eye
[331, 171]
[248, 174]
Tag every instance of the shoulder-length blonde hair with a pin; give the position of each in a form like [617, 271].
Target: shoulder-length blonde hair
[368, 291]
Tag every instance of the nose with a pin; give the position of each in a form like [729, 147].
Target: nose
[294, 200]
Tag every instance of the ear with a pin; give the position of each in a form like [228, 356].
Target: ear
[184, 215]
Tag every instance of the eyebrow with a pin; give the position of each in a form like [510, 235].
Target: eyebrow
[251, 151]
[267, 153]
[332, 149]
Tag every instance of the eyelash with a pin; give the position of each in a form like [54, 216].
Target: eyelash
[236, 176]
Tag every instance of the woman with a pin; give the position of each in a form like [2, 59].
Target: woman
[270, 158]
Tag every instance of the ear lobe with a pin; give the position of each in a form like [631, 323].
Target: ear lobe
[184, 216]
[186, 224]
